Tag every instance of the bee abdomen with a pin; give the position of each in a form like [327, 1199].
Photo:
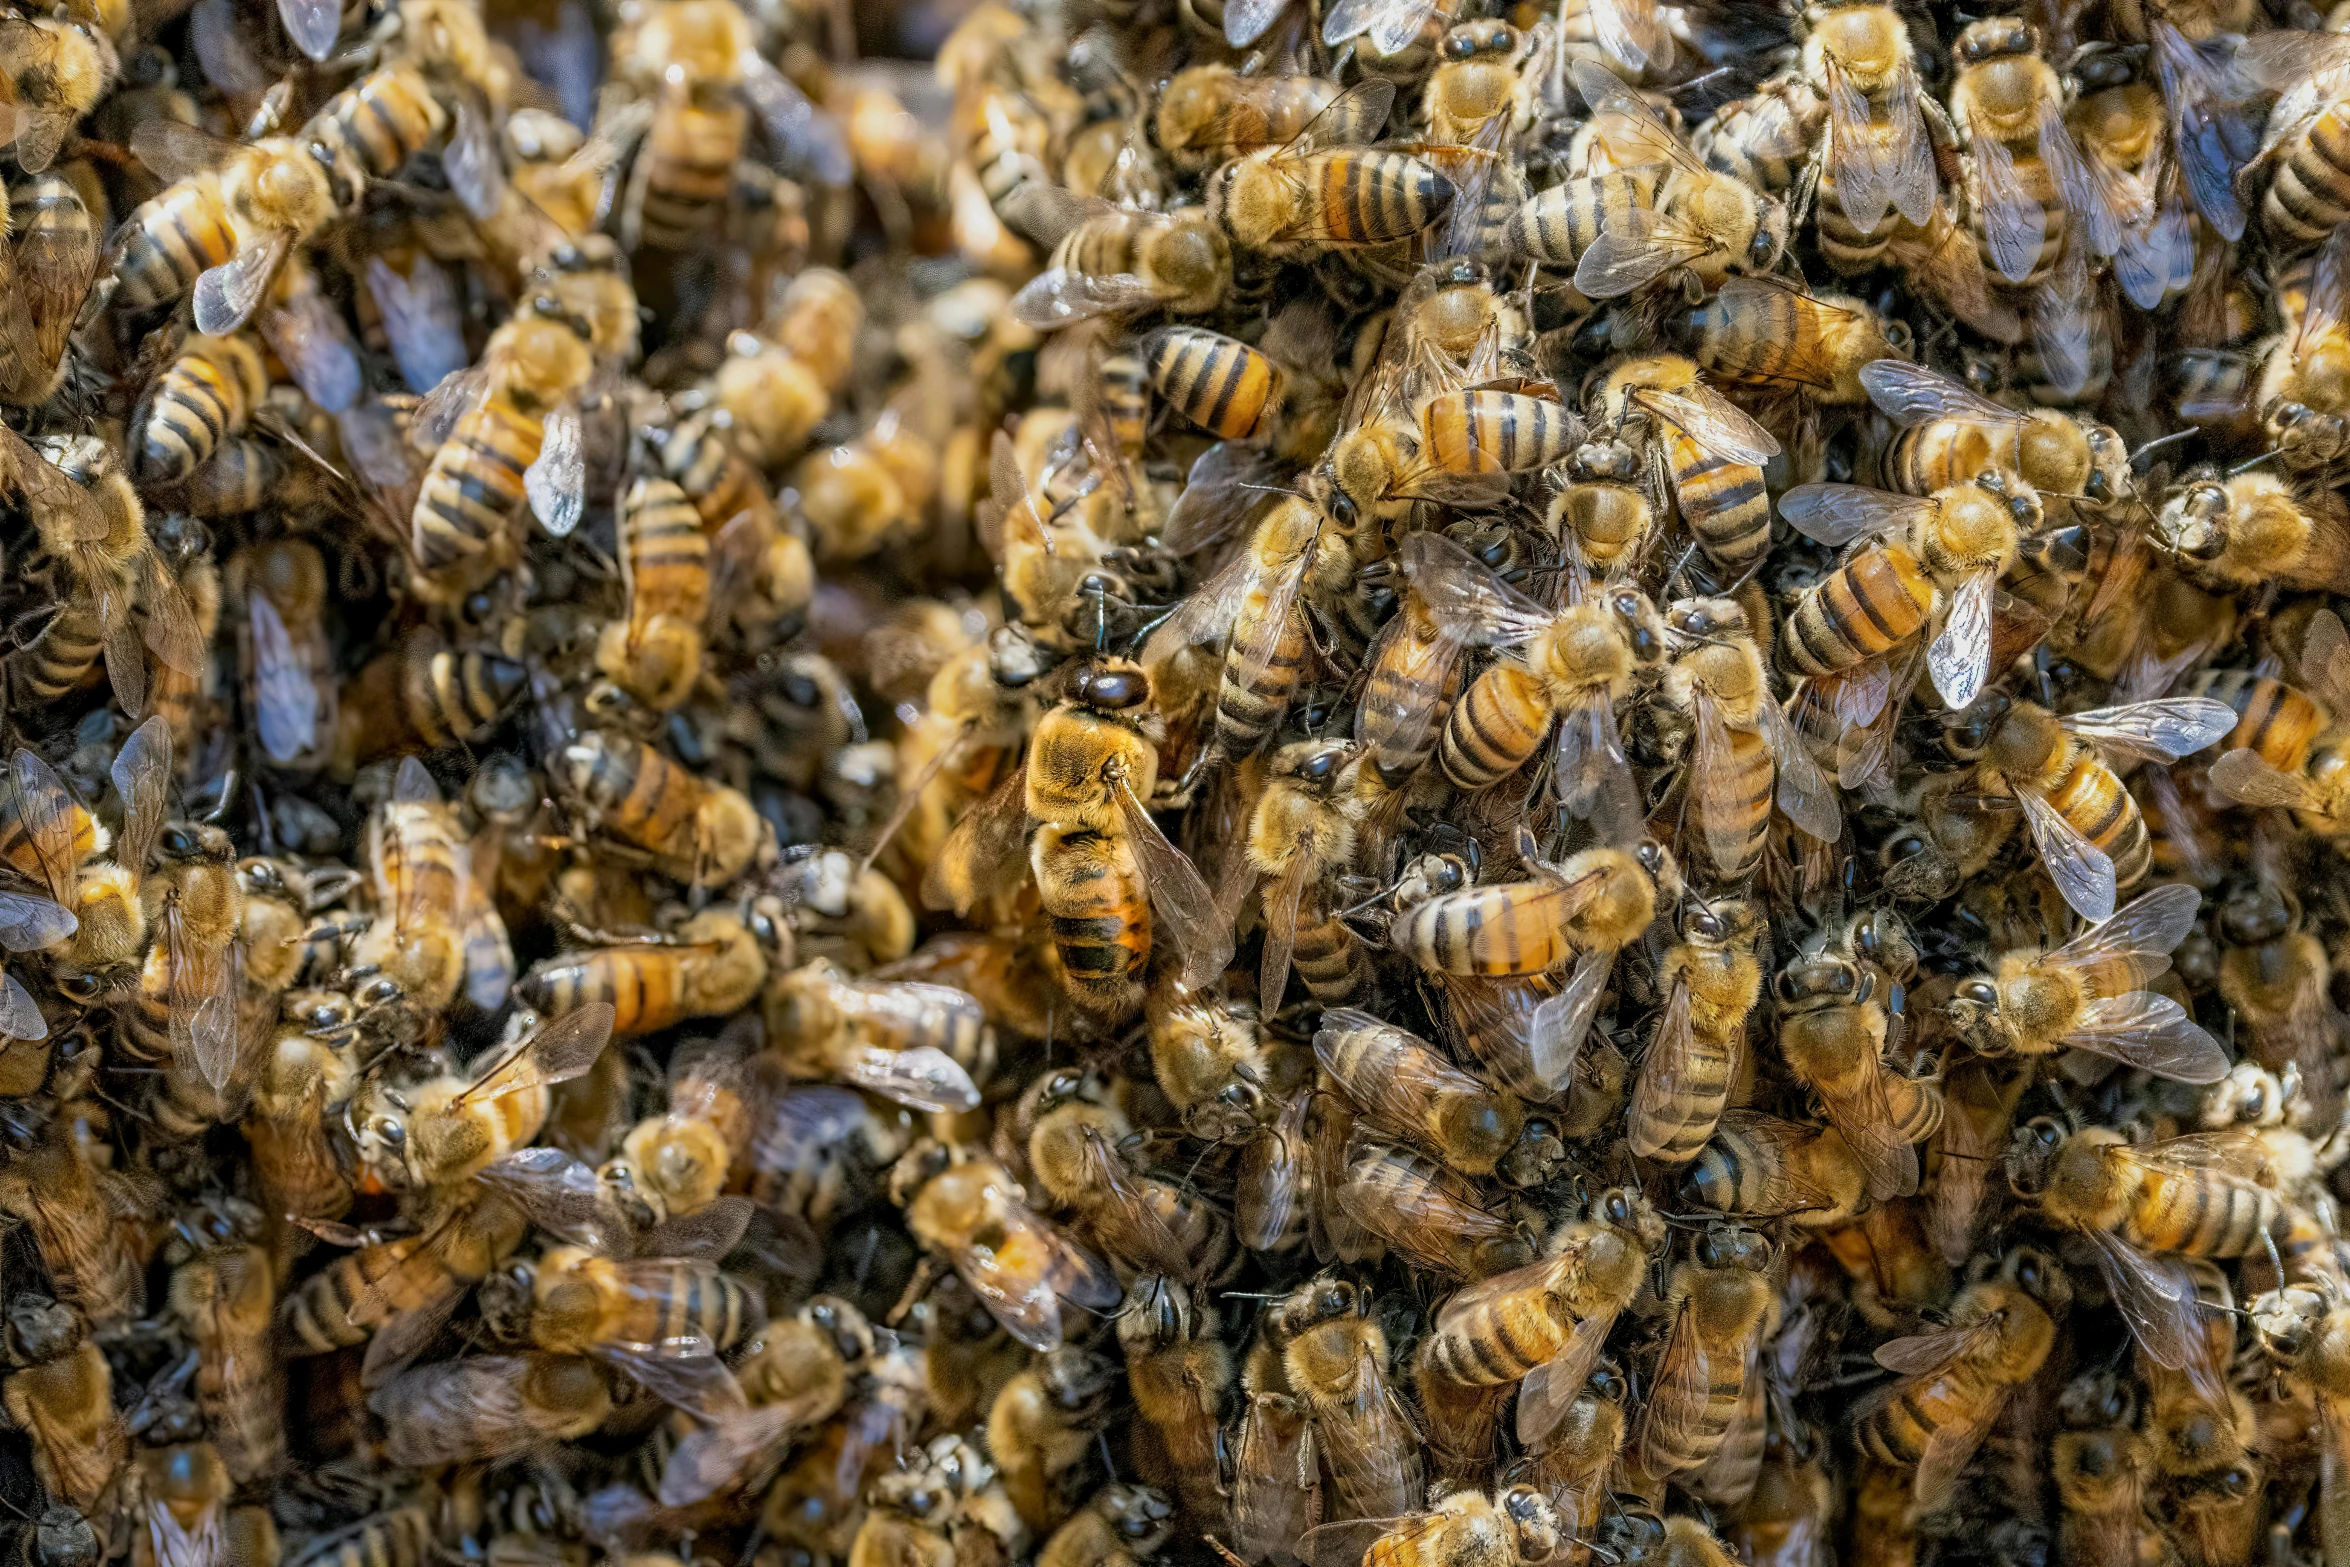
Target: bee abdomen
[316, 1317]
[452, 697]
[1490, 1345]
[2311, 191]
[2217, 1217]
[1842, 245]
[689, 172]
[1496, 725]
[1332, 962]
[2092, 799]
[170, 241]
[1678, 1130]
[1741, 804]
[398, 1538]
[1247, 711]
[1868, 605]
[2272, 718]
[381, 122]
[475, 483]
[1371, 197]
[1560, 224]
[199, 400]
[65, 656]
[1099, 908]
[1725, 504]
[1218, 383]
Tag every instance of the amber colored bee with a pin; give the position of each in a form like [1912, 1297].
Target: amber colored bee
[488, 1407]
[1180, 1369]
[226, 1296]
[449, 1128]
[956, 1198]
[710, 966]
[1208, 114]
[1712, 976]
[63, 1398]
[1758, 333]
[696, 830]
[1833, 1023]
[1335, 1358]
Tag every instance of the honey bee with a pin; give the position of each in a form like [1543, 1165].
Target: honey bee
[227, 221]
[2086, 826]
[1833, 1022]
[1712, 453]
[2090, 995]
[655, 652]
[1213, 1063]
[1757, 1166]
[487, 1407]
[2102, 1470]
[430, 1137]
[1043, 1423]
[955, 1200]
[1587, 907]
[1878, 155]
[2032, 185]
[1570, 668]
[1956, 1381]
[697, 831]
[225, 1294]
[1712, 977]
[283, 587]
[878, 1036]
[1402, 1082]
[396, 1293]
[1181, 1372]
[1336, 1360]
[663, 1321]
[2183, 1197]
[180, 1491]
[89, 519]
[2254, 528]
[711, 966]
[1119, 1526]
[1272, 394]
[1091, 771]
[1108, 260]
[1543, 1326]
[1517, 1525]
[202, 397]
[1303, 831]
[1210, 114]
[1314, 192]
[63, 1398]
[1950, 433]
[1758, 332]
[1424, 1211]
[1718, 1300]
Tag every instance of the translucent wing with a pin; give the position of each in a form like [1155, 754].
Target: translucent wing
[2248, 778]
[1911, 395]
[2211, 144]
[1245, 21]
[1635, 134]
[562, 1196]
[1027, 1307]
[2329, 293]
[2161, 731]
[1952, 1447]
[2064, 323]
[142, 780]
[1637, 246]
[1226, 483]
[683, 1371]
[706, 1234]
[806, 136]
[1806, 796]
[1924, 1354]
[1713, 422]
[556, 1052]
[201, 997]
[731, 1451]
[2156, 1297]
[922, 1078]
[1272, 1178]
[1661, 1074]
[1860, 1110]
[2151, 1032]
[557, 480]
[2083, 873]
[1714, 774]
[173, 150]
[31, 924]
[2144, 932]
[1180, 897]
[1550, 1389]
[46, 812]
[313, 25]
[1909, 161]
[412, 785]
[471, 159]
[227, 295]
[308, 333]
[1462, 590]
[2013, 225]
[1560, 1023]
[1629, 30]
[1684, 1383]
[421, 321]
[1837, 514]
[1276, 1485]
[2325, 660]
[173, 633]
[20, 1014]
[1396, 717]
[1862, 189]
[2087, 197]
[984, 853]
[285, 695]
[1281, 903]
[1590, 774]
[1058, 297]
[1960, 657]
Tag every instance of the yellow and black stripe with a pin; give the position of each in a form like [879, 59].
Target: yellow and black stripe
[1488, 430]
[475, 483]
[2310, 194]
[2272, 718]
[1557, 226]
[202, 397]
[379, 123]
[1873, 602]
[1495, 727]
[171, 241]
[688, 171]
[1218, 383]
[2090, 797]
[1094, 895]
[1724, 502]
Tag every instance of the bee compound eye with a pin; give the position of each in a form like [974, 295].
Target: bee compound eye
[1979, 991]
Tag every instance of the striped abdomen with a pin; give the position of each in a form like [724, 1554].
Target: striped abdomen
[1218, 383]
[1724, 503]
[645, 985]
[2272, 718]
[1899, 1431]
[2092, 799]
[402, 1537]
[1912, 1106]
[1499, 1338]
[1870, 603]
[1512, 928]
[449, 697]
[1689, 1442]
[65, 657]
[1368, 198]
[381, 122]
[16, 846]
[701, 456]
[668, 553]
[317, 1315]
[415, 850]
[639, 794]
[1248, 710]
[2311, 191]
[688, 171]
[2201, 1215]
[1099, 906]
[240, 476]
[203, 397]
[474, 486]
[1736, 1173]
[1842, 245]
[1415, 675]
[1763, 143]
[1497, 724]
[172, 240]
[1934, 456]
[1559, 225]
[1735, 805]
[1330, 958]
[1674, 1126]
[1488, 431]
[2038, 185]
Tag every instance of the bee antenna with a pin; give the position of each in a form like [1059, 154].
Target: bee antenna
[2161, 440]
[2251, 463]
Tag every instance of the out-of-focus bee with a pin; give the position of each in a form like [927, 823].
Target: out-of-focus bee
[1712, 978]
[1109, 260]
[2102, 1470]
[63, 1398]
[1543, 1325]
[223, 227]
[966, 1206]
[1518, 1526]
[1336, 1360]
[289, 675]
[1718, 1300]
[1043, 1423]
[438, 1133]
[697, 830]
[2276, 974]
[180, 1491]
[2189, 1197]
[1119, 1526]
[2090, 994]
[919, 1045]
[1569, 668]
[488, 1407]
[202, 397]
[423, 694]
[1101, 865]
[1956, 1381]
[1181, 1373]
[64, 1200]
[1833, 1022]
[1402, 1082]
[2086, 825]
[1311, 193]
[2284, 752]
[711, 966]
[655, 650]
[2255, 528]
[1759, 332]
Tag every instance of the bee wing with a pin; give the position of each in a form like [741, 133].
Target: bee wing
[1952, 1446]
[1399, 1095]
[921, 1078]
[2235, 1155]
[1461, 590]
[313, 25]
[2090, 197]
[1245, 21]
[2329, 293]
[1372, 1447]
[685, 1372]
[1549, 1391]
[809, 139]
[2082, 871]
[2160, 731]
[557, 479]
[1661, 1071]
[556, 1052]
[227, 295]
[1861, 1112]
[1590, 773]
[456, 395]
[1911, 395]
[1909, 161]
[1281, 906]
[56, 261]
[1635, 134]
[1226, 483]
[1180, 896]
[732, 1451]
[1925, 1354]
[46, 811]
[1629, 30]
[29, 924]
[20, 1014]
[1838, 514]
[1058, 297]
[175, 1546]
[1027, 1308]
[173, 633]
[285, 696]
[1783, 1192]
[561, 1195]
[1804, 792]
[2325, 660]
[706, 1234]
[2144, 932]
[1959, 658]
[1360, 113]
[1277, 1480]
[1272, 1177]
[1684, 1381]
[2248, 778]
[1401, 712]
[173, 151]
[985, 852]
[802, 1122]
[1714, 422]
[2153, 1033]
[2156, 1297]
[421, 321]
[1714, 776]
[1206, 616]
[1637, 246]
[1124, 1219]
[1559, 1024]
[141, 772]
[201, 999]
[2014, 227]
[2064, 323]
[1854, 163]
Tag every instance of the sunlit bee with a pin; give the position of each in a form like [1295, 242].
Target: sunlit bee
[381, 121]
[1861, 60]
[1218, 383]
[1756, 331]
[656, 651]
[702, 831]
[1304, 197]
[712, 966]
[2309, 193]
[1717, 1301]
[1758, 1167]
[1951, 434]
[1710, 451]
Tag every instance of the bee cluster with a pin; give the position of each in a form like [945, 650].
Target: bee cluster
[1253, 782]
